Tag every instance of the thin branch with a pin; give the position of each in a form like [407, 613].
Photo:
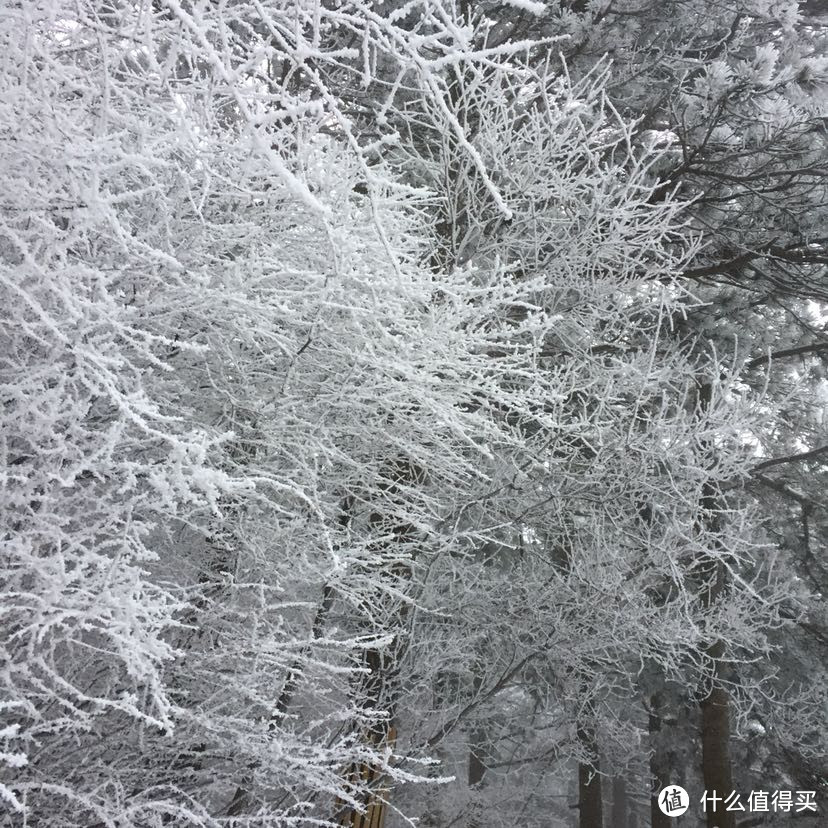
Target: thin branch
[791, 458]
[787, 352]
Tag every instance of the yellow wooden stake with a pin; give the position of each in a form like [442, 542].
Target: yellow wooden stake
[376, 809]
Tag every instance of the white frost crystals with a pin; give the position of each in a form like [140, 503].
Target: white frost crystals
[254, 435]
[97, 457]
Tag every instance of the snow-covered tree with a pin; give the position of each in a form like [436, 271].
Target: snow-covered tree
[345, 421]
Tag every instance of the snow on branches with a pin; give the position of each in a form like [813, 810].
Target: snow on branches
[248, 411]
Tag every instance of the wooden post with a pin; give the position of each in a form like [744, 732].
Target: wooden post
[378, 686]
[372, 815]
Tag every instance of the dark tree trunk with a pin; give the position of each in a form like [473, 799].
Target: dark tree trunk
[716, 766]
[715, 701]
[477, 771]
[477, 745]
[590, 792]
[477, 768]
[620, 803]
[659, 772]
[590, 797]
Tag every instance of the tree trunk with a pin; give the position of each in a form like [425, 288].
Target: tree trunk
[590, 796]
[590, 792]
[659, 773]
[716, 765]
[477, 770]
[572, 796]
[715, 703]
[477, 745]
[620, 803]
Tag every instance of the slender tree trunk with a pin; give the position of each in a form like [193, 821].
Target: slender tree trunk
[590, 791]
[620, 803]
[478, 748]
[659, 774]
[477, 771]
[590, 797]
[573, 793]
[295, 673]
[716, 764]
[715, 703]
[477, 745]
